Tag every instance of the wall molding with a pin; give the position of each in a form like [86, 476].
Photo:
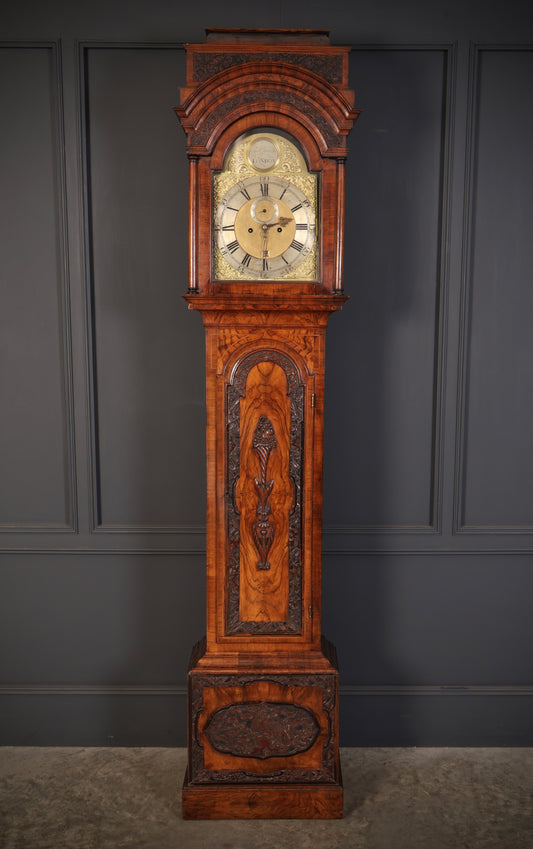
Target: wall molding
[437, 690]
[358, 530]
[345, 690]
[97, 526]
[70, 525]
[379, 551]
[106, 552]
[155, 715]
[92, 690]
[460, 527]
[448, 93]
[426, 552]
[179, 529]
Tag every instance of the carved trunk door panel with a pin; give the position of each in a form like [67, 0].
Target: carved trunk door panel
[265, 428]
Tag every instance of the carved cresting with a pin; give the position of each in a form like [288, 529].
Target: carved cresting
[263, 443]
[207, 64]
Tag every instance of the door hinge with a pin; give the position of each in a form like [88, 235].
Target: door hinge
[313, 400]
[310, 611]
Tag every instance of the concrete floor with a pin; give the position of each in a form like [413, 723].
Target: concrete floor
[69, 798]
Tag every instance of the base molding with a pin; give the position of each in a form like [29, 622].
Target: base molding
[155, 715]
[257, 801]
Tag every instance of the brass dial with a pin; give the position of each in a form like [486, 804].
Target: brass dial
[265, 226]
[265, 212]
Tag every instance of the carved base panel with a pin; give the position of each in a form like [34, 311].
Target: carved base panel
[257, 801]
[259, 729]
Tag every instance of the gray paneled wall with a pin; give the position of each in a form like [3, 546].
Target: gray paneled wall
[497, 450]
[35, 388]
[387, 347]
[428, 553]
[148, 403]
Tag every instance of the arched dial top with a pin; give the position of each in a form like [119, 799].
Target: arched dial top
[265, 217]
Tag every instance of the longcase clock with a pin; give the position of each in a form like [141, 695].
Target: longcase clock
[267, 114]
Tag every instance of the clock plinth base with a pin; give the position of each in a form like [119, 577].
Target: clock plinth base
[255, 801]
[263, 736]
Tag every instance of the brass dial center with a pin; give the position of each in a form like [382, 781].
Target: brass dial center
[265, 227]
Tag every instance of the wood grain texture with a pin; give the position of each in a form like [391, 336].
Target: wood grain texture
[291, 395]
[313, 761]
[257, 802]
[264, 570]
[278, 752]
[301, 89]
[264, 487]
[232, 88]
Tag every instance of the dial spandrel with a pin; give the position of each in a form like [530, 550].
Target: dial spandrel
[265, 218]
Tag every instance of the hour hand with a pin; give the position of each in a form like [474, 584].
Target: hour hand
[281, 221]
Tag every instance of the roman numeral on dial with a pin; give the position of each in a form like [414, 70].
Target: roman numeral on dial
[239, 231]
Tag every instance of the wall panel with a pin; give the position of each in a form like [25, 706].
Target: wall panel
[496, 463]
[148, 384]
[383, 374]
[444, 620]
[36, 439]
[99, 611]
[117, 619]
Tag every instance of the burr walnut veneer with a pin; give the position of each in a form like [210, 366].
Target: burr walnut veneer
[266, 116]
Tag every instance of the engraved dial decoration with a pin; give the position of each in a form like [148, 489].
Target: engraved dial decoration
[265, 227]
[265, 214]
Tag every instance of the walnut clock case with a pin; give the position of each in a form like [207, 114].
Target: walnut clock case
[267, 114]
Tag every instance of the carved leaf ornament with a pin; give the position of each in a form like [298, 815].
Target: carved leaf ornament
[264, 442]
[262, 730]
